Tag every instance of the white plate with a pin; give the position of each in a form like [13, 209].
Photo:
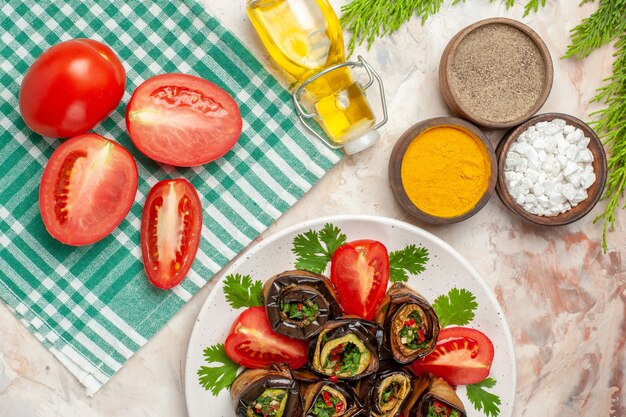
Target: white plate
[445, 270]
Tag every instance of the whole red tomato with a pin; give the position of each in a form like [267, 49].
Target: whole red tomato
[71, 87]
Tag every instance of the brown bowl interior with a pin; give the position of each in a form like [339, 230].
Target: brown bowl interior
[395, 165]
[450, 96]
[595, 191]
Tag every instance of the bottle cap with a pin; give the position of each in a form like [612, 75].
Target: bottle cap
[362, 142]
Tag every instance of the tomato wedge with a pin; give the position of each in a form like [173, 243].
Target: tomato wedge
[462, 356]
[171, 225]
[182, 120]
[87, 188]
[252, 343]
[359, 271]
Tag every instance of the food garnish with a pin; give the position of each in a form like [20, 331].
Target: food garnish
[359, 271]
[241, 291]
[410, 260]
[482, 399]
[216, 378]
[455, 308]
[314, 249]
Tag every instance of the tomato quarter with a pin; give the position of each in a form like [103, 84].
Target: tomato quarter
[359, 271]
[182, 120]
[252, 343]
[87, 188]
[462, 356]
[171, 225]
[71, 87]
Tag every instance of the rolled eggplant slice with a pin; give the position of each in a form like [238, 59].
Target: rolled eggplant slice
[325, 398]
[411, 325]
[386, 394]
[433, 397]
[266, 393]
[348, 348]
[299, 303]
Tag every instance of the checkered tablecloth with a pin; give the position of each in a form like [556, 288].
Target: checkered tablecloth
[93, 307]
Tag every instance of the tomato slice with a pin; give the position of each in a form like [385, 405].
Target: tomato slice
[71, 87]
[171, 225]
[359, 271]
[87, 188]
[182, 120]
[252, 343]
[462, 356]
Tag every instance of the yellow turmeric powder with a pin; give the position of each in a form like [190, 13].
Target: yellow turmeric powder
[445, 171]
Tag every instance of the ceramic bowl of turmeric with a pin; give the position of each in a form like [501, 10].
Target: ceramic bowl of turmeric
[443, 170]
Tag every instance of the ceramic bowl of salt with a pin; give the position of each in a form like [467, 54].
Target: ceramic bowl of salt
[552, 169]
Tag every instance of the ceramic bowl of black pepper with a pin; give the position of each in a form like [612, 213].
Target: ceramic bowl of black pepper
[552, 169]
[496, 73]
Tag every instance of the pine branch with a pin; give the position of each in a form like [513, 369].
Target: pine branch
[602, 27]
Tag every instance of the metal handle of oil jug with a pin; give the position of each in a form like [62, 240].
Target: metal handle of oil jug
[304, 115]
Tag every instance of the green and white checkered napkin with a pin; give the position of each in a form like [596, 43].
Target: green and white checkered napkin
[93, 307]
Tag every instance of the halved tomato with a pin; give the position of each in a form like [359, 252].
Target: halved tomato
[462, 356]
[182, 120]
[171, 225]
[252, 343]
[359, 271]
[88, 186]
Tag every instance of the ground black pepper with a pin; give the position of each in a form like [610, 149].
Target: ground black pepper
[497, 73]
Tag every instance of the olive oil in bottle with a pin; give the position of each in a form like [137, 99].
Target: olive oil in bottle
[304, 38]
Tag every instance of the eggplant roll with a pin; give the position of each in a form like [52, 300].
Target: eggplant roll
[348, 348]
[327, 399]
[411, 325]
[298, 303]
[266, 393]
[386, 394]
[433, 397]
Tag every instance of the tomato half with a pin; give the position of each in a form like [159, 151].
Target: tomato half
[252, 343]
[171, 225]
[182, 120]
[71, 87]
[359, 271]
[88, 186]
[462, 356]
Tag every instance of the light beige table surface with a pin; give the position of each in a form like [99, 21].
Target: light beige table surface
[564, 299]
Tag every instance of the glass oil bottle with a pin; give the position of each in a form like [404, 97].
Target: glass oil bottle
[304, 38]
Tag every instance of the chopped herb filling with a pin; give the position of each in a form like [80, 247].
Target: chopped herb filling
[412, 333]
[270, 404]
[344, 359]
[390, 393]
[307, 311]
[438, 409]
[327, 405]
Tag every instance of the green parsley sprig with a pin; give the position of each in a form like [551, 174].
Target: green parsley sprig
[483, 400]
[410, 260]
[456, 308]
[241, 291]
[217, 378]
[314, 249]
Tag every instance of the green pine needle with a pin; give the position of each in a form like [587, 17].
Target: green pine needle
[369, 20]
